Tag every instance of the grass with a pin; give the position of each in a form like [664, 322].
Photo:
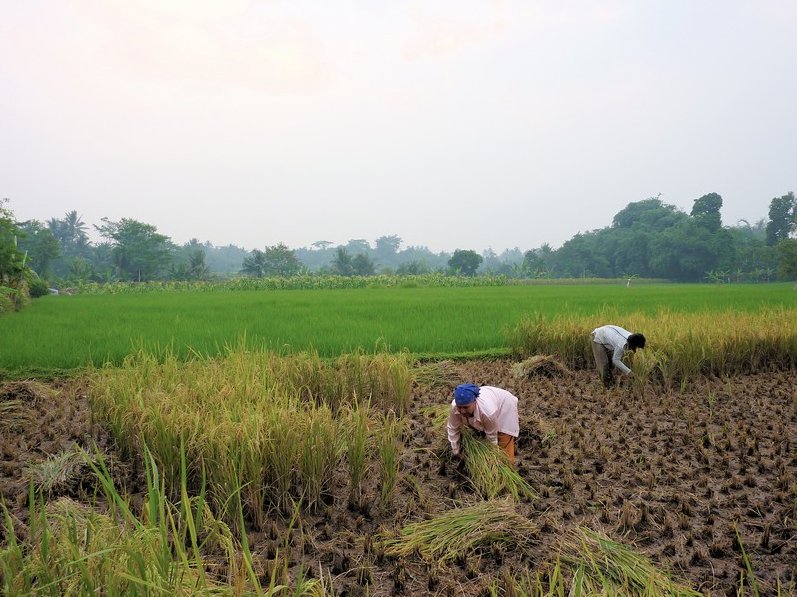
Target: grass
[72, 548]
[67, 332]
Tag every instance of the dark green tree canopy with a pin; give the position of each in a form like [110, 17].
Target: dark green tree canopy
[706, 212]
[277, 260]
[782, 218]
[138, 252]
[649, 213]
[465, 262]
[41, 246]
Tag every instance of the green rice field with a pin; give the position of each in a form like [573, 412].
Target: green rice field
[58, 333]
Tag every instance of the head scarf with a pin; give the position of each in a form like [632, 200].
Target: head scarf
[465, 393]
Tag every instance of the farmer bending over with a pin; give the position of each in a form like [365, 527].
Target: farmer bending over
[488, 409]
[609, 343]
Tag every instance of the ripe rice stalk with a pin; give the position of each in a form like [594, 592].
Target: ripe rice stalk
[357, 442]
[612, 568]
[689, 344]
[460, 531]
[388, 447]
[320, 453]
[490, 472]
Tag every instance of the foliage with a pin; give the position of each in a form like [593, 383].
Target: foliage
[782, 218]
[38, 288]
[14, 269]
[138, 252]
[277, 260]
[465, 262]
[41, 246]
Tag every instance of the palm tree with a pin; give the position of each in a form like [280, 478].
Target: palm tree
[342, 263]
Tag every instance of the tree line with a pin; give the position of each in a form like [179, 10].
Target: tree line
[647, 238]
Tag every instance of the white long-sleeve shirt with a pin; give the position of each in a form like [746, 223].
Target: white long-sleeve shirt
[496, 411]
[615, 339]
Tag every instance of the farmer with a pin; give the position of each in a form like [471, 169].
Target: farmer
[488, 409]
[609, 343]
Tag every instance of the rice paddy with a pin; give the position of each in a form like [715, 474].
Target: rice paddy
[264, 470]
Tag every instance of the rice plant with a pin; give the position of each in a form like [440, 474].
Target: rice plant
[280, 425]
[489, 470]
[457, 533]
[76, 549]
[388, 447]
[357, 442]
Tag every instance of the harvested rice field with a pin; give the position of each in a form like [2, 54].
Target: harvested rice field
[702, 480]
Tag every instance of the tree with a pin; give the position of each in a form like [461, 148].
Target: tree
[71, 231]
[706, 211]
[281, 261]
[14, 272]
[41, 246]
[362, 265]
[651, 214]
[342, 263]
[195, 268]
[413, 268]
[358, 245]
[138, 251]
[321, 245]
[782, 218]
[465, 262]
[387, 249]
[787, 258]
[255, 264]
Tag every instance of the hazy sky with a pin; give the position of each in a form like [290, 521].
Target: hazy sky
[458, 124]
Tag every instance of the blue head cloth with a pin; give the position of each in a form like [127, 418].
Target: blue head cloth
[465, 393]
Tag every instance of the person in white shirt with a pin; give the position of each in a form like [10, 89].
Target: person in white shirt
[488, 409]
[609, 343]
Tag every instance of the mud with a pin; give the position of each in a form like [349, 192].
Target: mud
[676, 474]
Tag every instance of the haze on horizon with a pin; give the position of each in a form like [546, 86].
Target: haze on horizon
[490, 124]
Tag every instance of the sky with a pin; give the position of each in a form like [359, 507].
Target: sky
[451, 124]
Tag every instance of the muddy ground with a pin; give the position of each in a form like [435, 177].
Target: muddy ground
[673, 473]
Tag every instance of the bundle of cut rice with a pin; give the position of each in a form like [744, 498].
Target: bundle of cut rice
[540, 365]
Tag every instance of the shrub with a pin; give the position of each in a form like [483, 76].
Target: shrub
[39, 287]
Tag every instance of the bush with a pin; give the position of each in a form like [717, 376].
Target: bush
[6, 303]
[39, 287]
